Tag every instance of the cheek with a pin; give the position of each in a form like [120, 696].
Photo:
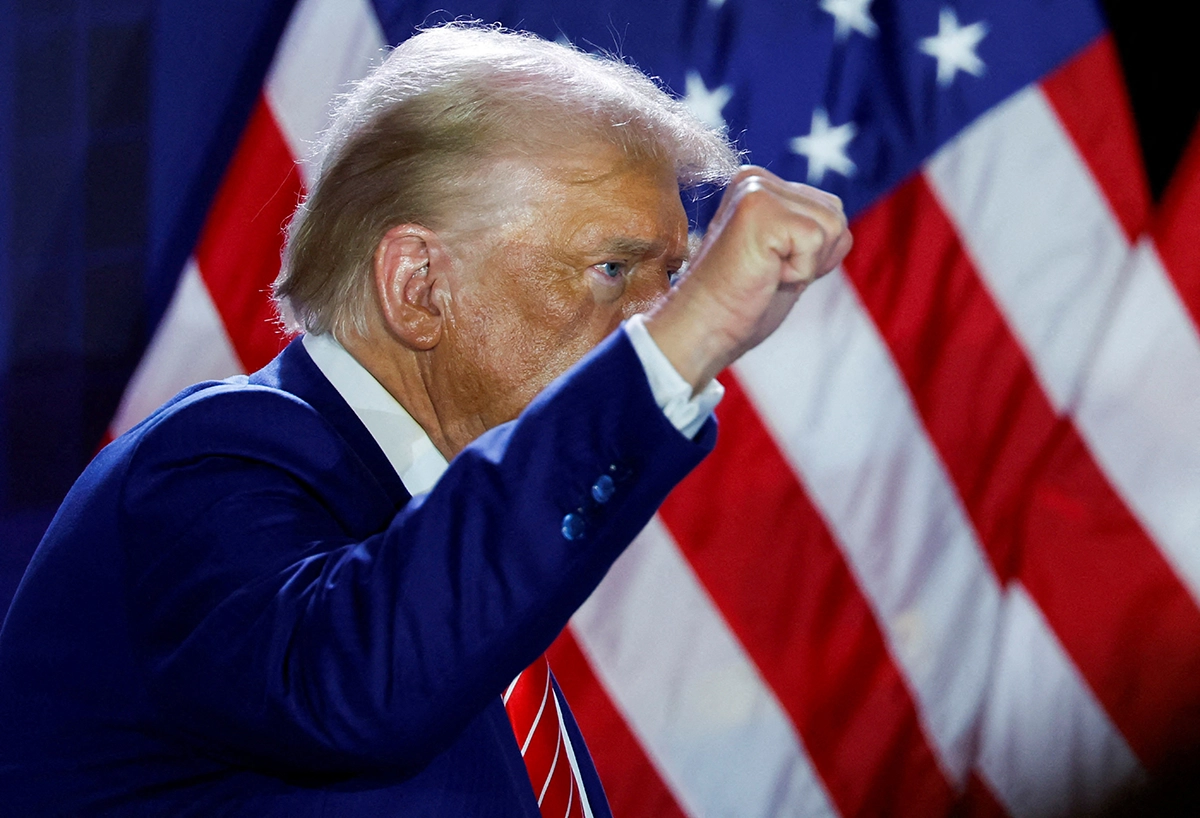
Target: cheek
[552, 338]
[519, 333]
[564, 311]
[521, 342]
[596, 314]
[644, 293]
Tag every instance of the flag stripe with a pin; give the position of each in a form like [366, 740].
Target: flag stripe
[190, 345]
[240, 246]
[1023, 201]
[827, 389]
[633, 784]
[875, 477]
[1177, 231]
[1116, 605]
[766, 557]
[950, 342]
[1140, 408]
[1077, 526]
[327, 44]
[979, 800]
[708, 721]
[1145, 374]
[969, 380]
[1088, 96]
[1145, 383]
[1066, 759]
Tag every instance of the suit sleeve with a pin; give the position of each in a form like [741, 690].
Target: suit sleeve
[292, 619]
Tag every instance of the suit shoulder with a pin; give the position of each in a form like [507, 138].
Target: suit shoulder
[238, 419]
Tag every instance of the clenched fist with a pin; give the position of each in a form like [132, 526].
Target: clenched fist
[768, 241]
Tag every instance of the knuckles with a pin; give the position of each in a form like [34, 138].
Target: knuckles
[802, 226]
[817, 218]
[756, 188]
[753, 200]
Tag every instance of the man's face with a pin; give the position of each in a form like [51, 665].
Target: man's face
[563, 249]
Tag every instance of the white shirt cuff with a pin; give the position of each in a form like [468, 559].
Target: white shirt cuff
[671, 392]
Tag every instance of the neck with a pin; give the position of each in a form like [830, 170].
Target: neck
[412, 378]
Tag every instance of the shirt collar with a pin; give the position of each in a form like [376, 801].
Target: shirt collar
[405, 444]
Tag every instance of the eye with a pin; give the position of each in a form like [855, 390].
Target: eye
[612, 269]
[673, 276]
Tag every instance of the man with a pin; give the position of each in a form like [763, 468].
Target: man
[310, 591]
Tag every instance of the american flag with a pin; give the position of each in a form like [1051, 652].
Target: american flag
[946, 556]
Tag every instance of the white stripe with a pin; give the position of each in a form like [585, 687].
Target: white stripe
[511, 686]
[536, 719]
[1105, 330]
[189, 345]
[1139, 411]
[711, 726]
[327, 45]
[825, 385]
[1051, 251]
[566, 737]
[1047, 747]
[1039, 231]
[553, 761]
[827, 388]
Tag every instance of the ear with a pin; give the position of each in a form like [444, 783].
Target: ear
[407, 270]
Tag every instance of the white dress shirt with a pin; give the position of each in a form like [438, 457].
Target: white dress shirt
[411, 452]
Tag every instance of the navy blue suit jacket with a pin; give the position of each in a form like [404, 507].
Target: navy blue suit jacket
[239, 610]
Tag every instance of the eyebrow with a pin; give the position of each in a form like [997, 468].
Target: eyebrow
[627, 246]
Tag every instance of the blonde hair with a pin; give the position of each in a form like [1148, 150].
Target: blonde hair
[417, 131]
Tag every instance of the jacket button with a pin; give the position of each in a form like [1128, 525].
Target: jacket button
[573, 526]
[603, 488]
[619, 472]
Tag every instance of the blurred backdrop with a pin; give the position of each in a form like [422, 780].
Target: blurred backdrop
[117, 118]
[119, 121]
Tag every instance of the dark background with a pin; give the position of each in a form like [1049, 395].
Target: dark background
[94, 226]
[1162, 70]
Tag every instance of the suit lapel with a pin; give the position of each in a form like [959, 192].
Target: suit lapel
[294, 371]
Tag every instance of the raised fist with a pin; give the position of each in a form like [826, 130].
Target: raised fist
[768, 241]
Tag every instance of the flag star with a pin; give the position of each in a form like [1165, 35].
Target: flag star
[706, 104]
[850, 15]
[825, 147]
[954, 47]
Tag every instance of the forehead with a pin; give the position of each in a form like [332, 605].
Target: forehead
[585, 198]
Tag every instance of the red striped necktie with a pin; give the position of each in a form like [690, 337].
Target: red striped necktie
[537, 723]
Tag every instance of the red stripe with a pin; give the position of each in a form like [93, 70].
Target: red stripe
[1044, 510]
[559, 788]
[239, 249]
[528, 699]
[633, 785]
[1088, 95]
[767, 558]
[1177, 229]
[972, 384]
[1117, 607]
